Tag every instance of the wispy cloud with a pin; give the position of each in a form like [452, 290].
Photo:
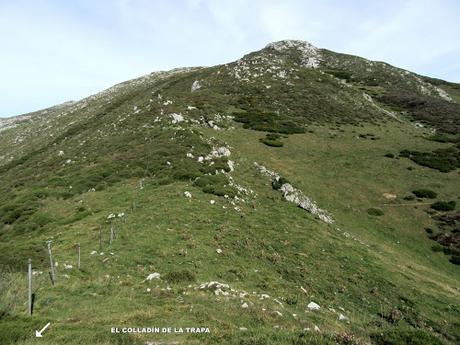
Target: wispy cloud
[53, 51]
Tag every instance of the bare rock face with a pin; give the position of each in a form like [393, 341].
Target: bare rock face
[195, 86]
[296, 196]
[311, 56]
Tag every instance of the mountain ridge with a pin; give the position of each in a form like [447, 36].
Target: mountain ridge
[294, 196]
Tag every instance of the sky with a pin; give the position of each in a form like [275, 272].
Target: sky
[52, 51]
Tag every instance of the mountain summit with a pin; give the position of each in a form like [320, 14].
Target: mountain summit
[294, 196]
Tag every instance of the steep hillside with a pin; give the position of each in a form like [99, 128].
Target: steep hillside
[295, 196]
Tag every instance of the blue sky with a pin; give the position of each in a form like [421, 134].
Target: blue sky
[52, 51]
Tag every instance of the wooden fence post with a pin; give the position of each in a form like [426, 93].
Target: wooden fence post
[100, 239]
[30, 287]
[53, 273]
[78, 255]
[111, 236]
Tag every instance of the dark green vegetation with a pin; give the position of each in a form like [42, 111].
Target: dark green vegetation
[443, 205]
[405, 337]
[180, 166]
[375, 212]
[444, 160]
[448, 231]
[268, 122]
[425, 193]
[272, 139]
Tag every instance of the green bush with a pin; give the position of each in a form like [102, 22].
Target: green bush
[180, 276]
[344, 75]
[438, 113]
[443, 205]
[375, 212]
[444, 160]
[220, 190]
[437, 248]
[184, 174]
[268, 122]
[272, 139]
[405, 337]
[447, 250]
[444, 138]
[389, 155]
[215, 184]
[425, 193]
[276, 184]
[455, 259]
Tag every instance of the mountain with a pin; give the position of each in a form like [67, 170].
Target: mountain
[295, 196]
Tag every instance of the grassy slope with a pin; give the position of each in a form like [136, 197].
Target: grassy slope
[392, 281]
[286, 246]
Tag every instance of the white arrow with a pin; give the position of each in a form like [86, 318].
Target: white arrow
[38, 334]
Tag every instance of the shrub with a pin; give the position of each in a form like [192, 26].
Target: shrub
[437, 248]
[215, 184]
[375, 212]
[276, 184]
[436, 112]
[444, 138]
[344, 75]
[409, 197]
[447, 250]
[444, 205]
[389, 155]
[455, 259]
[220, 190]
[180, 276]
[424, 193]
[272, 139]
[444, 160]
[184, 174]
[405, 337]
[268, 122]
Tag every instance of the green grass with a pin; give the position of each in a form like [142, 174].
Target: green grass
[269, 247]
[378, 271]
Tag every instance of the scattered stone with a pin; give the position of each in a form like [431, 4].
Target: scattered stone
[152, 276]
[187, 194]
[389, 196]
[313, 306]
[342, 317]
[219, 251]
[244, 305]
[214, 285]
[176, 118]
[277, 301]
